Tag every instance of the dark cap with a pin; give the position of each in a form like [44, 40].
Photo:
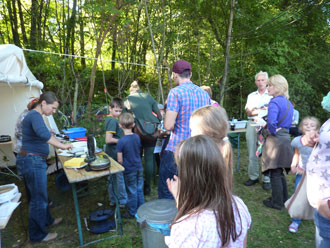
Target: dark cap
[180, 66]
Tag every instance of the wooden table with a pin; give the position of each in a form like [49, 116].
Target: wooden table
[5, 165]
[78, 175]
[238, 131]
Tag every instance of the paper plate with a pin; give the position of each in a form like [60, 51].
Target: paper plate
[65, 154]
[82, 144]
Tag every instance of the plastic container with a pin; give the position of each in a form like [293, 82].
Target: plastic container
[8, 192]
[75, 132]
[81, 138]
[235, 124]
[155, 218]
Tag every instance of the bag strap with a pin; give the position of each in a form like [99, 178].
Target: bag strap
[128, 106]
[297, 191]
[286, 113]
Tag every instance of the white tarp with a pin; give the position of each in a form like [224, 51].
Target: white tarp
[18, 86]
[13, 67]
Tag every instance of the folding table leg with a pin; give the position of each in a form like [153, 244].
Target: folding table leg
[238, 138]
[76, 206]
[117, 210]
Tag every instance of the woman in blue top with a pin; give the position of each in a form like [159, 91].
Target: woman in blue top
[277, 152]
[31, 161]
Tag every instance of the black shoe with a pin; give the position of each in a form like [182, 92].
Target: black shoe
[266, 186]
[268, 203]
[126, 215]
[53, 204]
[146, 190]
[251, 182]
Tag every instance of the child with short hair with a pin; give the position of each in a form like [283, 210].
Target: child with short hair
[128, 154]
[303, 147]
[213, 122]
[112, 135]
[208, 214]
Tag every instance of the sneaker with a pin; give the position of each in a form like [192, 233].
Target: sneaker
[266, 186]
[251, 182]
[268, 203]
[146, 190]
[293, 228]
[50, 237]
[56, 222]
[53, 204]
[112, 204]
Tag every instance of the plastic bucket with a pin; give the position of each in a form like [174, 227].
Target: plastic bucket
[155, 218]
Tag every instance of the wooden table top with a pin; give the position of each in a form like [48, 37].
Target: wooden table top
[78, 175]
[7, 143]
[239, 130]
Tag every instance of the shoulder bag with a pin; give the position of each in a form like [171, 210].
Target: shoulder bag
[263, 133]
[297, 205]
[147, 130]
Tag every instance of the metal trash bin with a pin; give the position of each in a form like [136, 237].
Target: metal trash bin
[155, 218]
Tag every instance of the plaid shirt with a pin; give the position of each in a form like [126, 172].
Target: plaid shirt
[184, 99]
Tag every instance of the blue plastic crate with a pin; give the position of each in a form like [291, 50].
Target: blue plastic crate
[75, 132]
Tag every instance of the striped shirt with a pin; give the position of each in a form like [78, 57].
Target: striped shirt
[184, 99]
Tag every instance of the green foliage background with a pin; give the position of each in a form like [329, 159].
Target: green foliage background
[278, 36]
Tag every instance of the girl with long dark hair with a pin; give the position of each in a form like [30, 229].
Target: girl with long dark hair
[208, 214]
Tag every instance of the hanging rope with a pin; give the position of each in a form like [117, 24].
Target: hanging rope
[85, 57]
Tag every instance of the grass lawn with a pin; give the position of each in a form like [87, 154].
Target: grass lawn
[269, 227]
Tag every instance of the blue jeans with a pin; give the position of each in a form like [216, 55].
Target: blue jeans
[34, 171]
[167, 169]
[122, 195]
[134, 187]
[322, 230]
[296, 183]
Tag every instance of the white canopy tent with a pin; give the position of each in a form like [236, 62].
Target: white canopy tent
[18, 86]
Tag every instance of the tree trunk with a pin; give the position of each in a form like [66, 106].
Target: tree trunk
[39, 23]
[81, 34]
[135, 39]
[33, 31]
[228, 42]
[99, 42]
[70, 28]
[13, 21]
[114, 47]
[44, 25]
[20, 13]
[155, 55]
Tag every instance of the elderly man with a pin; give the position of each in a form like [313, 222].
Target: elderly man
[181, 102]
[256, 106]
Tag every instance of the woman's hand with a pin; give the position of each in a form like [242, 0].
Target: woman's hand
[52, 131]
[68, 146]
[294, 169]
[173, 186]
[300, 170]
